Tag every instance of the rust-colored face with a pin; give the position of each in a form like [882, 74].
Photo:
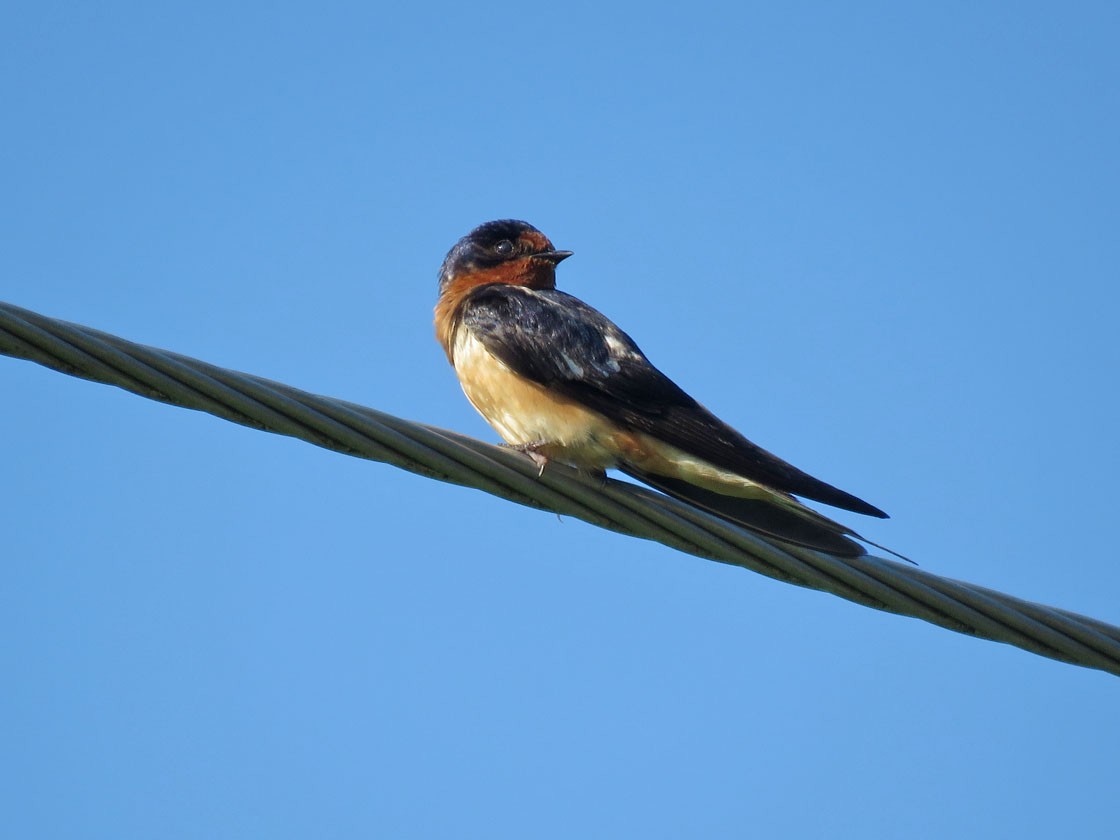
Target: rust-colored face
[510, 252]
[507, 252]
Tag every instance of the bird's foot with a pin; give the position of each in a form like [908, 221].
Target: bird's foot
[599, 476]
[533, 450]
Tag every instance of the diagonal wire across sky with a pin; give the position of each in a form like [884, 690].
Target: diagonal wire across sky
[436, 453]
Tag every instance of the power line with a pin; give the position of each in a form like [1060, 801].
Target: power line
[366, 433]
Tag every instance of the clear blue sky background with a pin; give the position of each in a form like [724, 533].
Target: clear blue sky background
[880, 240]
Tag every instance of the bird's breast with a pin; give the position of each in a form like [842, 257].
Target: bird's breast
[524, 412]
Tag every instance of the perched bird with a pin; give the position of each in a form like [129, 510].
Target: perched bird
[558, 380]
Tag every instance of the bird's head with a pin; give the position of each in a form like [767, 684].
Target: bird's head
[505, 251]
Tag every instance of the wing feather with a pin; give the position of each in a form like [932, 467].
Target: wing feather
[558, 341]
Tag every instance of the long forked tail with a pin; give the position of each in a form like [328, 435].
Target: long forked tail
[792, 522]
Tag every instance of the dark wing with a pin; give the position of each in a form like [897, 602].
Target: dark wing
[803, 526]
[559, 341]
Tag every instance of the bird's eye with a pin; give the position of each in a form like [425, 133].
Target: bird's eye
[504, 248]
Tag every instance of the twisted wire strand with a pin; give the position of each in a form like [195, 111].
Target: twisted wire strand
[366, 433]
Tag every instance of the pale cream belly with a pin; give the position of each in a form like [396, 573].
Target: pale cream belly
[525, 413]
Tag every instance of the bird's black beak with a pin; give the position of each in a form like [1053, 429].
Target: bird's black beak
[553, 256]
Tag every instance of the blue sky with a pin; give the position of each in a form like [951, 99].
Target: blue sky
[879, 240]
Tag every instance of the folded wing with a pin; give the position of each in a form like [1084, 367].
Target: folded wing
[560, 342]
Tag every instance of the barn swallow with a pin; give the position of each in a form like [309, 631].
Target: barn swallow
[558, 380]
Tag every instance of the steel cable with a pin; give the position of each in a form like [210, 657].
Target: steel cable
[446, 456]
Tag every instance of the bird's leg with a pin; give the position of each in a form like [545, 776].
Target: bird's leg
[599, 476]
[533, 450]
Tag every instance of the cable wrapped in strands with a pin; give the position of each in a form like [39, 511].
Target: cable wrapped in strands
[635, 511]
